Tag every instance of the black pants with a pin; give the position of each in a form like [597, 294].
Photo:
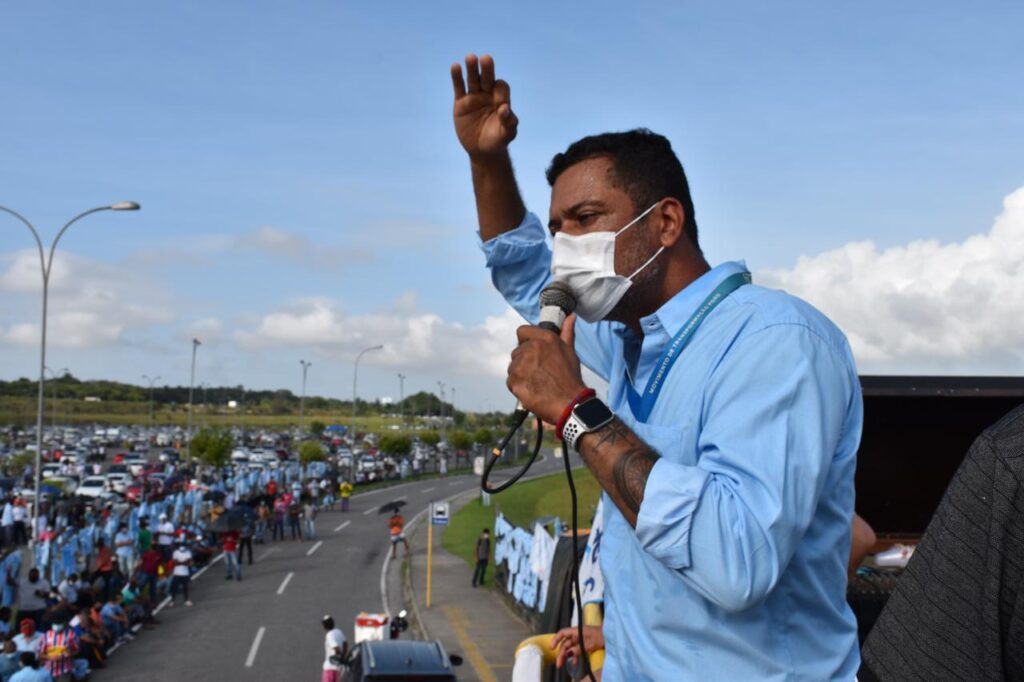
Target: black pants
[179, 583]
[245, 543]
[481, 569]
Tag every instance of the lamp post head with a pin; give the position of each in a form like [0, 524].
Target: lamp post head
[125, 206]
[196, 342]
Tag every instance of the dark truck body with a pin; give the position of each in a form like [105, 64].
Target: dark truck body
[917, 431]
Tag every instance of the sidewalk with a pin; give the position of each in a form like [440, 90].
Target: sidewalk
[472, 622]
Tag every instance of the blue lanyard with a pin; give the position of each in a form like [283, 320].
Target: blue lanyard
[642, 405]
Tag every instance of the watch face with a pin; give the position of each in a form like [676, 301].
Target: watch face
[593, 413]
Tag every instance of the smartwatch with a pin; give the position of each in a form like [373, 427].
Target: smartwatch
[589, 415]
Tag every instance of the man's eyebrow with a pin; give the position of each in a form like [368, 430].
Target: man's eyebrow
[574, 209]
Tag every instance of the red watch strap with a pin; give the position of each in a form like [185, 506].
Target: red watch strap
[585, 394]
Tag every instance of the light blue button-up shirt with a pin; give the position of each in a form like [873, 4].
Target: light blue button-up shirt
[737, 567]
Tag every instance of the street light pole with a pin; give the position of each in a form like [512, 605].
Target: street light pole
[46, 266]
[355, 377]
[401, 398]
[205, 385]
[440, 409]
[191, 387]
[151, 381]
[302, 400]
[53, 395]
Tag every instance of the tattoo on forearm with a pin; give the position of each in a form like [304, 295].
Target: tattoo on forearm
[612, 433]
[630, 474]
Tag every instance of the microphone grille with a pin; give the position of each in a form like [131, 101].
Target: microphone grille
[558, 294]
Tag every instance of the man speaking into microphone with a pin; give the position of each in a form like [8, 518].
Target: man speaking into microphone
[728, 444]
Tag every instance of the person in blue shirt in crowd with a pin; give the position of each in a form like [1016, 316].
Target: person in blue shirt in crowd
[31, 671]
[728, 475]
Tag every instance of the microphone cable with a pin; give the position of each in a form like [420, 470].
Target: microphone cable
[519, 417]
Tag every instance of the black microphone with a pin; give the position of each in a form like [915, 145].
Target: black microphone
[557, 302]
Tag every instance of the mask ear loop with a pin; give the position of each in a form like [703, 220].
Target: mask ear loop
[656, 253]
[634, 221]
[649, 261]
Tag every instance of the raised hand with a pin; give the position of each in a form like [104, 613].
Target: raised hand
[484, 122]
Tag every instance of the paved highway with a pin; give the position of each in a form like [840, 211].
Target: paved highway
[267, 627]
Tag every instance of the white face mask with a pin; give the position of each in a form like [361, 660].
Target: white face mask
[586, 263]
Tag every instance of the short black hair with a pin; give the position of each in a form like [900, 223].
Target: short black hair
[28, 659]
[328, 623]
[645, 168]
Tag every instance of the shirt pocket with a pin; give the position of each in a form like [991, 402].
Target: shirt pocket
[675, 443]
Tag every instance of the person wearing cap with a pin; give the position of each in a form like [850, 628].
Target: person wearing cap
[165, 536]
[27, 639]
[181, 573]
[335, 649]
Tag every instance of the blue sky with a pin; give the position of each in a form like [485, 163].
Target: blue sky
[304, 195]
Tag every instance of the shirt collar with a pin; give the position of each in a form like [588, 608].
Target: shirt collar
[677, 310]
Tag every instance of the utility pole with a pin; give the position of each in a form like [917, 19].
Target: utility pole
[401, 397]
[355, 379]
[151, 381]
[302, 400]
[440, 409]
[191, 389]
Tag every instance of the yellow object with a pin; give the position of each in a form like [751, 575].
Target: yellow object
[591, 616]
[430, 556]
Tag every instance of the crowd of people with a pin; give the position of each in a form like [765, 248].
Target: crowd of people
[98, 572]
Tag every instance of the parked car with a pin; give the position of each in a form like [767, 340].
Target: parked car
[396, 659]
[169, 456]
[133, 492]
[92, 486]
[118, 481]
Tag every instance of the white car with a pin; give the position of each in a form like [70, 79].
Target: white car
[118, 482]
[93, 486]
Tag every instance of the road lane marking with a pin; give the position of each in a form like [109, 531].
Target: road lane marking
[267, 553]
[342, 526]
[207, 566]
[314, 547]
[251, 658]
[453, 483]
[369, 511]
[161, 605]
[427, 490]
[284, 583]
[458, 620]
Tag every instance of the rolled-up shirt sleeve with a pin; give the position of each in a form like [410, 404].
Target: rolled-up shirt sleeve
[773, 414]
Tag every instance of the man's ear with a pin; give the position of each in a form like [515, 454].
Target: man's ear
[672, 222]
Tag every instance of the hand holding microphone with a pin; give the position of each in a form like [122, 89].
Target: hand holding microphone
[544, 373]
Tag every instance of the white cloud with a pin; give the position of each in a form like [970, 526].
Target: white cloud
[924, 306]
[90, 303]
[412, 340]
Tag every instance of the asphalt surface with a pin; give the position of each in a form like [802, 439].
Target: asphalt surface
[267, 627]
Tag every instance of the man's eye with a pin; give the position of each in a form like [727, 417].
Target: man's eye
[586, 218]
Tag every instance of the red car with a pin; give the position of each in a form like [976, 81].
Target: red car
[134, 492]
[119, 458]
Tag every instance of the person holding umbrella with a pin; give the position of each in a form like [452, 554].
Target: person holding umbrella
[396, 527]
